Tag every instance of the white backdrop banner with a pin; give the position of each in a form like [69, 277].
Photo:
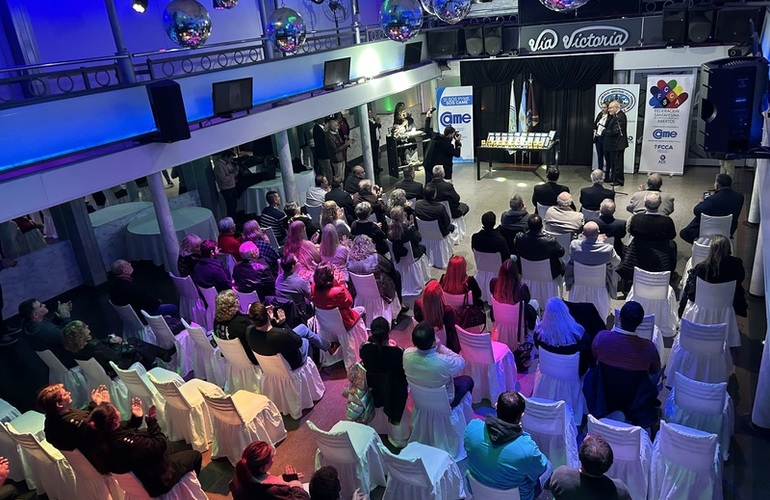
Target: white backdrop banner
[628, 97]
[455, 109]
[666, 119]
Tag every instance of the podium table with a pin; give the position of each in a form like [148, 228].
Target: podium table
[484, 153]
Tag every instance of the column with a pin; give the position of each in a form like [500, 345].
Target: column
[756, 191]
[125, 67]
[73, 224]
[366, 140]
[287, 170]
[757, 283]
[165, 222]
[263, 15]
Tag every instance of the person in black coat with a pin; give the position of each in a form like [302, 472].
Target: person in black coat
[591, 197]
[514, 221]
[357, 174]
[724, 201]
[609, 226]
[719, 267]
[123, 291]
[342, 198]
[371, 229]
[615, 143]
[653, 247]
[445, 191]
[229, 324]
[546, 194]
[374, 136]
[252, 273]
[209, 271]
[429, 209]
[412, 188]
[442, 150]
[400, 234]
[489, 239]
[321, 162]
[535, 245]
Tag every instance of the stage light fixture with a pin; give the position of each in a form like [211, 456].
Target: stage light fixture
[139, 5]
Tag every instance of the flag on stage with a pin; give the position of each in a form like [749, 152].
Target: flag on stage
[523, 108]
[532, 117]
[513, 119]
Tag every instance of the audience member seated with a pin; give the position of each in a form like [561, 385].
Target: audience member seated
[535, 245]
[591, 250]
[342, 198]
[332, 214]
[654, 183]
[371, 229]
[328, 293]
[724, 201]
[145, 452]
[401, 233]
[508, 288]
[370, 193]
[413, 189]
[252, 479]
[559, 333]
[325, 484]
[189, 251]
[228, 242]
[432, 309]
[433, 365]
[210, 271]
[500, 454]
[124, 292]
[457, 282]
[591, 197]
[252, 273]
[398, 199]
[588, 481]
[364, 259]
[562, 217]
[316, 195]
[514, 221]
[294, 213]
[611, 227]
[331, 250]
[229, 324]
[357, 174]
[253, 233]
[306, 252]
[291, 286]
[653, 247]
[445, 191]
[720, 266]
[546, 194]
[272, 217]
[490, 239]
[428, 209]
[44, 334]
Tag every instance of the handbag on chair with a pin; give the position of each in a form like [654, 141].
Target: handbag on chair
[471, 315]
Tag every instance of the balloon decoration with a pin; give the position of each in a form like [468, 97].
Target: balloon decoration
[187, 23]
[286, 30]
[564, 5]
[401, 19]
[452, 11]
[225, 4]
[427, 6]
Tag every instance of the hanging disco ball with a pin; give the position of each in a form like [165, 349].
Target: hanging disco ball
[225, 4]
[400, 19]
[564, 5]
[452, 11]
[187, 23]
[286, 30]
[427, 6]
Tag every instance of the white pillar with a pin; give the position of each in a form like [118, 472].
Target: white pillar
[760, 411]
[366, 140]
[760, 172]
[165, 222]
[757, 283]
[287, 170]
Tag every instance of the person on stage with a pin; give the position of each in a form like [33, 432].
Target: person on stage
[615, 143]
[599, 124]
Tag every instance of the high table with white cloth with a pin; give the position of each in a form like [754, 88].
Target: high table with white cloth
[144, 242]
[109, 224]
[252, 201]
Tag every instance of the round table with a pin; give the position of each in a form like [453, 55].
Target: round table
[252, 201]
[115, 212]
[109, 225]
[144, 242]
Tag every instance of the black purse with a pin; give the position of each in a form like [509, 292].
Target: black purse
[470, 315]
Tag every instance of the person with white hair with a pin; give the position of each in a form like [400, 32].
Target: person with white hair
[562, 218]
[611, 227]
[227, 241]
[445, 191]
[654, 183]
[591, 250]
[591, 197]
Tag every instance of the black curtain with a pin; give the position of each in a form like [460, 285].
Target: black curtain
[564, 97]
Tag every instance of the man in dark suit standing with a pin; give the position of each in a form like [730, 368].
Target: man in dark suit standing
[724, 201]
[591, 197]
[546, 194]
[411, 187]
[441, 150]
[429, 209]
[445, 191]
[374, 135]
[536, 245]
[615, 143]
[321, 163]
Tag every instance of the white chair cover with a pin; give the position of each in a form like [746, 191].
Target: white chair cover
[435, 423]
[72, 378]
[591, 286]
[331, 328]
[421, 471]
[368, 296]
[272, 239]
[685, 464]
[487, 267]
[90, 483]
[700, 250]
[30, 422]
[631, 450]
[557, 379]
[210, 302]
[490, 364]
[551, 426]
[191, 306]
[648, 330]
[564, 240]
[657, 297]
[208, 361]
[438, 248]
[537, 276]
[398, 435]
[240, 419]
[291, 390]
[506, 328]
[96, 376]
[245, 300]
[314, 213]
[352, 449]
[589, 214]
[187, 411]
[699, 353]
[458, 234]
[51, 473]
[228, 261]
[188, 488]
[242, 375]
[703, 406]
[132, 325]
[482, 491]
[182, 360]
[456, 300]
[714, 304]
[542, 209]
[715, 224]
[414, 274]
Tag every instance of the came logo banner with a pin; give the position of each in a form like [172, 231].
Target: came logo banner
[455, 109]
[628, 97]
[666, 119]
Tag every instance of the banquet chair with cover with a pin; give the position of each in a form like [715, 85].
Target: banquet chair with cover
[564, 240]
[182, 360]
[557, 379]
[368, 296]
[589, 214]
[228, 261]
[245, 299]
[483, 492]
[352, 449]
[331, 328]
[700, 250]
[96, 376]
[422, 471]
[291, 390]
[703, 406]
[656, 296]
[31, 422]
[241, 373]
[435, 423]
[208, 361]
[490, 364]
[438, 248]
[90, 484]
[191, 306]
[132, 325]
[685, 464]
[699, 353]
[542, 209]
[414, 273]
[50, 471]
[188, 488]
[711, 225]
[457, 300]
[551, 425]
[272, 239]
[72, 378]
[648, 330]
[210, 302]
[314, 213]
[458, 234]
[240, 419]
[510, 325]
[714, 304]
[487, 267]
[631, 450]
[591, 286]
[536, 274]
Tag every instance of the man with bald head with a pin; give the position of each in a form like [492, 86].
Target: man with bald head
[654, 183]
[124, 292]
[562, 218]
[615, 142]
[591, 250]
[351, 183]
[653, 247]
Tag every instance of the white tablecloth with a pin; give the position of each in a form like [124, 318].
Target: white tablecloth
[143, 240]
[252, 201]
[110, 224]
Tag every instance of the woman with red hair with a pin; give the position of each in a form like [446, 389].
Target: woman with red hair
[508, 288]
[432, 308]
[457, 282]
[252, 479]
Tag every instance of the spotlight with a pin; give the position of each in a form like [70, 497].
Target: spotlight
[139, 5]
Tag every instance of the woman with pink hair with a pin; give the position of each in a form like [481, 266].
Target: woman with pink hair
[305, 251]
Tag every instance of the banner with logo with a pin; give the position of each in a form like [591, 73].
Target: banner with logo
[666, 120]
[614, 34]
[455, 109]
[628, 97]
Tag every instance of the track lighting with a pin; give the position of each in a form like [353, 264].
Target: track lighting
[139, 5]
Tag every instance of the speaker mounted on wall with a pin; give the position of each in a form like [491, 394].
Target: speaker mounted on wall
[474, 40]
[674, 29]
[493, 39]
[168, 110]
[734, 23]
[700, 23]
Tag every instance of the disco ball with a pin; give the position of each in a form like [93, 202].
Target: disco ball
[187, 23]
[427, 6]
[564, 5]
[286, 30]
[452, 11]
[225, 4]
[401, 19]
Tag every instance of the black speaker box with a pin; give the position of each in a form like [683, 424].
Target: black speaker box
[474, 40]
[731, 92]
[674, 29]
[168, 110]
[733, 23]
[493, 39]
[444, 44]
[510, 39]
[700, 23]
